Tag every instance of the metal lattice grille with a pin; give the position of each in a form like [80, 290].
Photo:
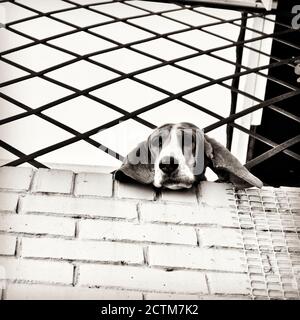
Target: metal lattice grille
[135, 17]
[269, 222]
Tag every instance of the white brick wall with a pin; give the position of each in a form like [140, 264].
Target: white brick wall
[79, 207]
[93, 184]
[29, 223]
[84, 236]
[109, 230]
[139, 278]
[39, 271]
[15, 178]
[133, 191]
[82, 250]
[57, 181]
[8, 202]
[187, 214]
[223, 283]
[219, 237]
[48, 292]
[7, 245]
[196, 258]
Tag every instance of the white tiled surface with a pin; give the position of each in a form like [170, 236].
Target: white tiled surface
[103, 31]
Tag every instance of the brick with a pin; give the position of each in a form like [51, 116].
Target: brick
[50, 180]
[82, 250]
[196, 258]
[7, 244]
[46, 292]
[214, 194]
[185, 195]
[42, 271]
[8, 202]
[226, 283]
[26, 223]
[218, 237]
[93, 184]
[15, 178]
[166, 296]
[133, 191]
[79, 206]
[225, 297]
[142, 278]
[185, 214]
[115, 230]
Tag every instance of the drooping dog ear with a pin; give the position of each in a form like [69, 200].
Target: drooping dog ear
[137, 166]
[227, 166]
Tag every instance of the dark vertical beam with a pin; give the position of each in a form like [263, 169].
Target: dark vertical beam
[236, 81]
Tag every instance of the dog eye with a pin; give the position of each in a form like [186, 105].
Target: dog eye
[157, 142]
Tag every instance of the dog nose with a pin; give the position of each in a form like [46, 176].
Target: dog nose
[168, 165]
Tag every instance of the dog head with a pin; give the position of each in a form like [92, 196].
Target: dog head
[175, 156]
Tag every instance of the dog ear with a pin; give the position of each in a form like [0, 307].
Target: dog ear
[227, 166]
[137, 166]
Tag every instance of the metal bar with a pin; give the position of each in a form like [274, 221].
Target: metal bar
[285, 113]
[236, 81]
[20, 154]
[272, 152]
[252, 109]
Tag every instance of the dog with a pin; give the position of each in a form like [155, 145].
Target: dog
[175, 156]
